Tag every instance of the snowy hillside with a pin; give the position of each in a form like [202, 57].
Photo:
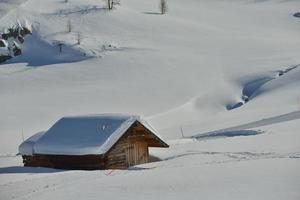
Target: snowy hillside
[218, 79]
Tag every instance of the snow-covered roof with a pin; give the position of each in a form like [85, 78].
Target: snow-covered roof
[26, 148]
[81, 135]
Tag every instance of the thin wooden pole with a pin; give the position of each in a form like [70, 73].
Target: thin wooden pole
[181, 129]
[22, 135]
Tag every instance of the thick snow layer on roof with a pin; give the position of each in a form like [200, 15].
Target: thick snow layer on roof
[81, 135]
[26, 148]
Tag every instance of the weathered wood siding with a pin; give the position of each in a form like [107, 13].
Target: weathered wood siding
[116, 158]
[130, 150]
[126, 154]
[89, 162]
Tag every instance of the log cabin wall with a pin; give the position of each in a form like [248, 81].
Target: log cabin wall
[89, 162]
[116, 158]
[131, 149]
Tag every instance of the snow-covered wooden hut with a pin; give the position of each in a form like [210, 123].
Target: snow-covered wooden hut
[108, 141]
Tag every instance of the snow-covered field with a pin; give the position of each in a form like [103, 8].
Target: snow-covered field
[219, 80]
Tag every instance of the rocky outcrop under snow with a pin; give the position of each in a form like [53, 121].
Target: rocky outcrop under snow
[12, 39]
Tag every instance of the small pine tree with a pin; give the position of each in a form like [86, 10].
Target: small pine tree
[163, 6]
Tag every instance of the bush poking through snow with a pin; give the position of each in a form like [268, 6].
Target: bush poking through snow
[163, 7]
[109, 47]
[111, 3]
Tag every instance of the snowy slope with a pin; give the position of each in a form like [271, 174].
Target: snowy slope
[7, 6]
[188, 71]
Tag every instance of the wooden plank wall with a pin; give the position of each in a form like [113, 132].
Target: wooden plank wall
[89, 162]
[131, 149]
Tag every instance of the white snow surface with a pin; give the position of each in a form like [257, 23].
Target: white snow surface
[189, 72]
[81, 135]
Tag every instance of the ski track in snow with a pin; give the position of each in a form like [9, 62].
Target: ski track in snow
[80, 11]
[237, 156]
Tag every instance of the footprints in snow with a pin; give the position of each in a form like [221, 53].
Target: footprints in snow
[84, 10]
[236, 156]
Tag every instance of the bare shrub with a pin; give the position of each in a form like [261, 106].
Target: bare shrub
[163, 7]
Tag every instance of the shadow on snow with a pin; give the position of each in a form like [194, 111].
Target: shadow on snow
[241, 130]
[222, 134]
[23, 170]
